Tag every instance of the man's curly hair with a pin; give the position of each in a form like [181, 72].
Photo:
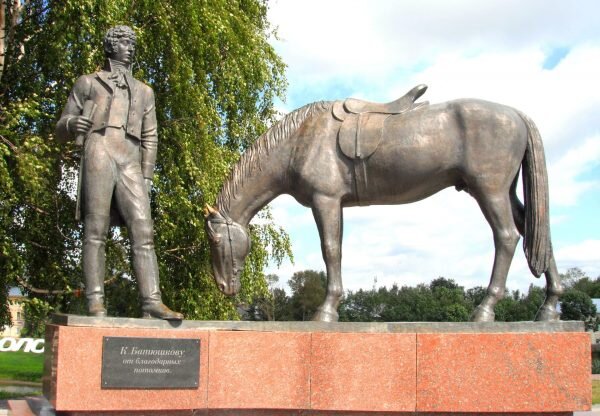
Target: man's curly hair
[114, 34]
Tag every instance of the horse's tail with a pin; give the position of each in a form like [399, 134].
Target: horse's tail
[536, 237]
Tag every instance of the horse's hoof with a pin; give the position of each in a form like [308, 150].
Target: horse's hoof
[483, 314]
[547, 313]
[325, 316]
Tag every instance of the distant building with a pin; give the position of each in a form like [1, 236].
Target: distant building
[15, 301]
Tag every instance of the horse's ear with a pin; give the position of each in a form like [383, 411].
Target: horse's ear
[210, 211]
[212, 234]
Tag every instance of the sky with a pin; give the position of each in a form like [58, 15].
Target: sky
[540, 56]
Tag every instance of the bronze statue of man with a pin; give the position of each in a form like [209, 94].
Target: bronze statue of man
[113, 116]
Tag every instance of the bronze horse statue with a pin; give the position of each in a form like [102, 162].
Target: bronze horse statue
[331, 155]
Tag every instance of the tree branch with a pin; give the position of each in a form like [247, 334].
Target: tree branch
[4, 139]
[32, 289]
[174, 256]
[76, 292]
[58, 221]
[37, 209]
[38, 245]
[180, 248]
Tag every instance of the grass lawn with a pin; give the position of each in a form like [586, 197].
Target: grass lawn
[595, 391]
[21, 366]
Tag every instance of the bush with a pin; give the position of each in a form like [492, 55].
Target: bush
[36, 313]
[596, 366]
[578, 306]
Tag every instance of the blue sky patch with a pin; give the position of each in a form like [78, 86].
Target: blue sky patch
[555, 56]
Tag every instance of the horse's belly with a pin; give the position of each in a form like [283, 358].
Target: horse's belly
[411, 165]
[393, 188]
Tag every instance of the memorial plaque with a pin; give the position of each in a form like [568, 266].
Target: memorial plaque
[150, 363]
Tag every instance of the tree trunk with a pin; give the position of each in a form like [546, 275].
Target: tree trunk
[2, 35]
[9, 10]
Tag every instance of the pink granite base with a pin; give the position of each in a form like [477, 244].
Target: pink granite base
[503, 372]
[259, 370]
[363, 372]
[75, 381]
[318, 372]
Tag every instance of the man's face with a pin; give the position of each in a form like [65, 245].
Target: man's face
[124, 51]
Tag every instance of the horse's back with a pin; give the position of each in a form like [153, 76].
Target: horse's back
[456, 143]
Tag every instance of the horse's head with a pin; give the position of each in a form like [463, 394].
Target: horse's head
[229, 246]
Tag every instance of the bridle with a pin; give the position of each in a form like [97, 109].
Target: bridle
[230, 224]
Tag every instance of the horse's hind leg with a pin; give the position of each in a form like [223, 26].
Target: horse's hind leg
[496, 208]
[328, 216]
[554, 288]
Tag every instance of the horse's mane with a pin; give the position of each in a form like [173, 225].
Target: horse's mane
[250, 160]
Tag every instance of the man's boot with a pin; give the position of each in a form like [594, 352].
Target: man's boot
[94, 259]
[145, 267]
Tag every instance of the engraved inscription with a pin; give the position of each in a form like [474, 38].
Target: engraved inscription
[129, 362]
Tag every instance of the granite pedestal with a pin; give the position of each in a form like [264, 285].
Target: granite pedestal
[307, 368]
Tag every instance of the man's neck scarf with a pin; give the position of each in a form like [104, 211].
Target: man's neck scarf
[118, 70]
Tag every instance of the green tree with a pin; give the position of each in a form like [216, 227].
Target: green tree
[408, 304]
[215, 77]
[586, 284]
[475, 295]
[533, 301]
[510, 308]
[442, 300]
[572, 276]
[364, 305]
[282, 305]
[449, 300]
[35, 311]
[578, 306]
[263, 307]
[308, 292]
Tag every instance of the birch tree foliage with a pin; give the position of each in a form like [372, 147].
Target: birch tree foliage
[215, 78]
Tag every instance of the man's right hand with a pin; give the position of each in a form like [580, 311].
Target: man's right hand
[79, 125]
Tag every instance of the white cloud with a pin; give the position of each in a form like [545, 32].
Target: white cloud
[325, 40]
[584, 255]
[553, 98]
[567, 187]
[445, 235]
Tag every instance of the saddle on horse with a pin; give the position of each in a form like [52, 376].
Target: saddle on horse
[342, 108]
[362, 128]
[362, 121]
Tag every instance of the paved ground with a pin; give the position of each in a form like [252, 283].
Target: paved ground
[594, 412]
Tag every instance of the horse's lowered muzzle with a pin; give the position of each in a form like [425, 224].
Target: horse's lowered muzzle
[229, 289]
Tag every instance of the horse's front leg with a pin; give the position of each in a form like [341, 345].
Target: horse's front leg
[328, 216]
